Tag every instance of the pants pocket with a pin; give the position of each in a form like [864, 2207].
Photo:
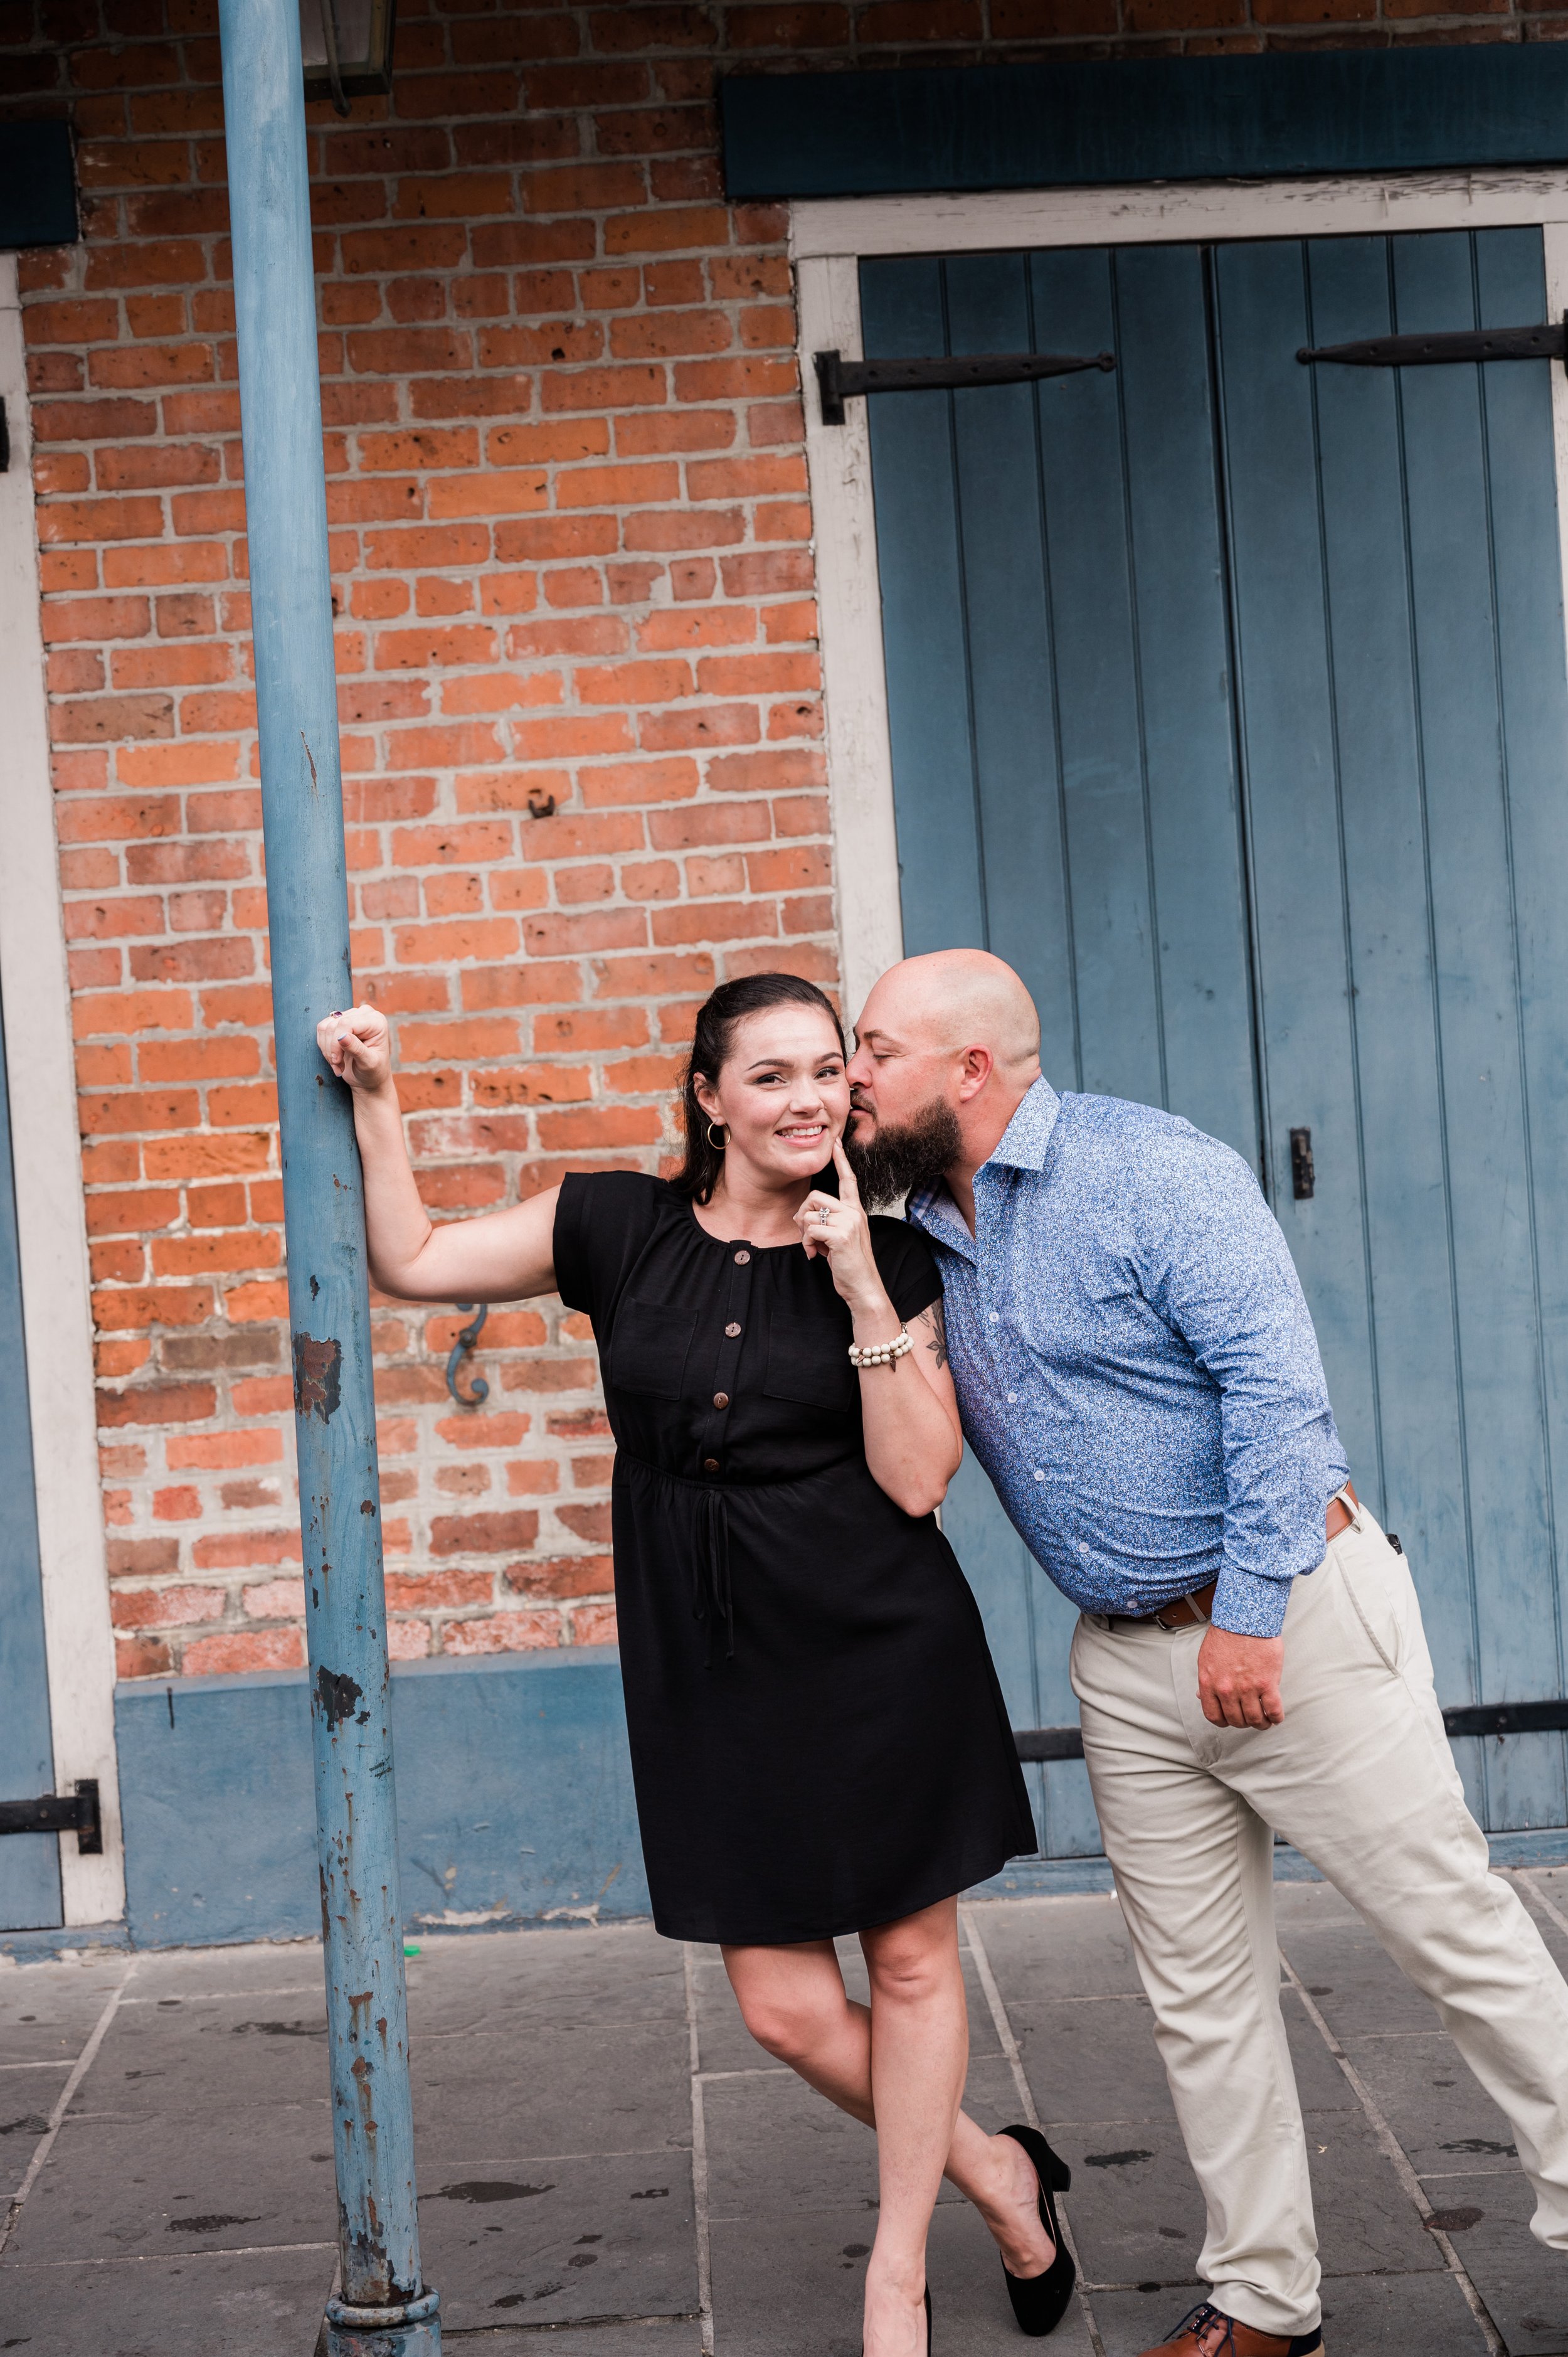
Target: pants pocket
[1364, 1561]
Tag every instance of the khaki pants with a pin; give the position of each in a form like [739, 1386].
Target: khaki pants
[1360, 1778]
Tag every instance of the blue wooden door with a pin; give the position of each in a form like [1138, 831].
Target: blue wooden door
[1227, 702]
[29, 1863]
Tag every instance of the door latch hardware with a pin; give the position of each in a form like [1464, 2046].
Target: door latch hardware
[59, 1813]
[1540, 343]
[4, 441]
[838, 380]
[1303, 1178]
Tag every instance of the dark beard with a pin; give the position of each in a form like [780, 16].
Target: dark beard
[896, 1162]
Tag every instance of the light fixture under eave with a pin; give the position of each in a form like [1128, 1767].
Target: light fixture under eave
[347, 45]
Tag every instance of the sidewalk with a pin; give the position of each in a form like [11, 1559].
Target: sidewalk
[598, 2137]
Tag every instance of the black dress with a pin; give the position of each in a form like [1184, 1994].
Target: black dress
[818, 1738]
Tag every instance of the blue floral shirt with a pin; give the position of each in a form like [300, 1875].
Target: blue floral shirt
[1135, 1364]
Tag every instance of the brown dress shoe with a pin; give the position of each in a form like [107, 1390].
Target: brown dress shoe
[1207, 2333]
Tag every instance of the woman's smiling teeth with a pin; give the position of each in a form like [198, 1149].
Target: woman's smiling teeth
[805, 1134]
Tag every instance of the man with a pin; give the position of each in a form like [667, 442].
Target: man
[1138, 1373]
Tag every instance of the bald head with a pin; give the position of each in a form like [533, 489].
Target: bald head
[953, 999]
[947, 1048]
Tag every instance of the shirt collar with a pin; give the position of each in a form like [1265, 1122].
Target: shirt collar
[1022, 1146]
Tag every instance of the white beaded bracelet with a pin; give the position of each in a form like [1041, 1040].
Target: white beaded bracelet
[881, 1354]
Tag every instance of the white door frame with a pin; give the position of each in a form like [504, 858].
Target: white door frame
[45, 1152]
[827, 239]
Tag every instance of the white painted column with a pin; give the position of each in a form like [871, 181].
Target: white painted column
[47, 1155]
[849, 597]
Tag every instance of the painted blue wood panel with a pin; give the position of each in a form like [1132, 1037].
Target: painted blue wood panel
[1534, 700]
[1459, 460]
[1378, 755]
[29, 1863]
[1049, 124]
[1410, 1460]
[1344, 587]
[923, 606]
[1063, 742]
[513, 1791]
[1054, 610]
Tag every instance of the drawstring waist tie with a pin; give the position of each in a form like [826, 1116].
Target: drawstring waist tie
[712, 1596]
[708, 1503]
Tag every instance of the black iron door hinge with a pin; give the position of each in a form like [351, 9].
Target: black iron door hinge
[838, 380]
[59, 1813]
[1541, 343]
[1461, 1718]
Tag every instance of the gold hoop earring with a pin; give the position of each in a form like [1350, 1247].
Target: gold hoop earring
[718, 1144]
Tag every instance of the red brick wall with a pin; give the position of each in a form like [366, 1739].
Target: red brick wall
[579, 697]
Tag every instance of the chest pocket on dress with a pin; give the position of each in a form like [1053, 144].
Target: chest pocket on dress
[648, 1344]
[808, 1360]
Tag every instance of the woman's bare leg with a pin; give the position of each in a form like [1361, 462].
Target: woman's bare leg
[795, 2005]
[920, 2053]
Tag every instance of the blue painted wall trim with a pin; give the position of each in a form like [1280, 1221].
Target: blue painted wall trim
[838, 134]
[513, 1793]
[514, 1805]
[37, 185]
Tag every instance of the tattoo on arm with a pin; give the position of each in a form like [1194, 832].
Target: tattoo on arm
[936, 1324]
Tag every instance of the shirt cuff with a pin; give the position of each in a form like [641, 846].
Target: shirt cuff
[1248, 1604]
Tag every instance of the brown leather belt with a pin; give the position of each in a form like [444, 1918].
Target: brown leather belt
[1179, 1612]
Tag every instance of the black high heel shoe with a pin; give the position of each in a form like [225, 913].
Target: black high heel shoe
[1039, 2302]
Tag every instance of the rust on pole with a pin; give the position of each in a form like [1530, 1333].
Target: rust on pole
[383, 2307]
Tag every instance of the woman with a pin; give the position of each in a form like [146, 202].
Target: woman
[819, 1742]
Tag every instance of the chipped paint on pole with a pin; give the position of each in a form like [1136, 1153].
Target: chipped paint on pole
[383, 2308]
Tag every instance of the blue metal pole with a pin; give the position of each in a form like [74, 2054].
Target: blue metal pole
[383, 2307]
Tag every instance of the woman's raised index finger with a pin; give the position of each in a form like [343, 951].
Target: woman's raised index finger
[849, 1188]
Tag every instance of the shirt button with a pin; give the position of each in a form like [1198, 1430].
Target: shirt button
[1083, 1546]
[710, 1464]
[741, 1259]
[731, 1329]
[1012, 1399]
[1038, 1475]
[721, 1399]
[996, 1318]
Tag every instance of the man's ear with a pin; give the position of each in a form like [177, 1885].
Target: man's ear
[976, 1069]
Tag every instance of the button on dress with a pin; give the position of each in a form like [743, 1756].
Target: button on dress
[819, 1742]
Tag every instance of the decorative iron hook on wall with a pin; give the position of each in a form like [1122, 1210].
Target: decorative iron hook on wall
[460, 1349]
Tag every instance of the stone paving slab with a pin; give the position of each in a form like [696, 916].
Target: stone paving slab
[1525, 2287]
[52, 2013]
[577, 2088]
[150, 2187]
[1444, 2118]
[254, 2305]
[548, 2239]
[159, 2058]
[597, 2134]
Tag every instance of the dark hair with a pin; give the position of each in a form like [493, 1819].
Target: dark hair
[730, 1004]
